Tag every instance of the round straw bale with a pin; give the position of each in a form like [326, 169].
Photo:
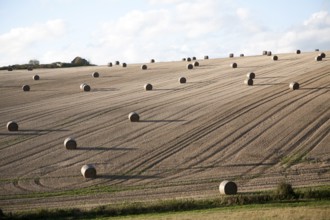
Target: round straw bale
[188, 59]
[152, 61]
[12, 126]
[206, 57]
[231, 55]
[36, 77]
[82, 86]
[193, 58]
[144, 67]
[95, 74]
[294, 86]
[248, 82]
[183, 59]
[298, 52]
[182, 80]
[322, 55]
[26, 88]
[318, 58]
[275, 58]
[87, 88]
[233, 65]
[227, 188]
[134, 117]
[70, 143]
[124, 64]
[264, 52]
[269, 53]
[110, 64]
[241, 55]
[251, 75]
[317, 50]
[196, 63]
[10, 68]
[190, 66]
[148, 87]
[117, 62]
[88, 171]
[30, 68]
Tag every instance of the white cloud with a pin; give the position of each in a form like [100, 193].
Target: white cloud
[18, 44]
[310, 34]
[318, 19]
[166, 32]
[166, 1]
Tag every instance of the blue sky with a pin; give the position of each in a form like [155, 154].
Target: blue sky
[137, 30]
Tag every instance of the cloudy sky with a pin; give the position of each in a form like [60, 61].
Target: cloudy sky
[138, 30]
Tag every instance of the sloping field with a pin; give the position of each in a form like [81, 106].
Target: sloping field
[191, 136]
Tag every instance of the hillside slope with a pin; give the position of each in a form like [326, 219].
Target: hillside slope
[191, 136]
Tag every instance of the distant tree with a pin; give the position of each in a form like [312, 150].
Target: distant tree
[34, 62]
[78, 61]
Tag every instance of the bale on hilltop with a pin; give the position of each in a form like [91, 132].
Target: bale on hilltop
[188, 59]
[298, 52]
[183, 59]
[193, 58]
[206, 57]
[82, 86]
[148, 87]
[190, 66]
[241, 55]
[88, 171]
[264, 52]
[95, 74]
[294, 86]
[182, 80]
[12, 126]
[251, 75]
[70, 143]
[124, 64]
[275, 58]
[231, 55]
[248, 82]
[117, 62]
[144, 67]
[110, 64]
[36, 77]
[26, 88]
[233, 65]
[85, 87]
[227, 188]
[269, 53]
[322, 55]
[318, 58]
[134, 117]
[152, 61]
[196, 63]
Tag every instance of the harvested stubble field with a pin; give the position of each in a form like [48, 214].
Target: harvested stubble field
[190, 136]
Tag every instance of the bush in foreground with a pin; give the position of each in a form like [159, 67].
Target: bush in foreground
[285, 191]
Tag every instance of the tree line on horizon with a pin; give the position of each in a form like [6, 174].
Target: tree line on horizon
[34, 63]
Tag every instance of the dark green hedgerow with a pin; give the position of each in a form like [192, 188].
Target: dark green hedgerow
[283, 193]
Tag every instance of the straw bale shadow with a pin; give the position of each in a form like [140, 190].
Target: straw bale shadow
[104, 89]
[89, 148]
[128, 177]
[161, 121]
